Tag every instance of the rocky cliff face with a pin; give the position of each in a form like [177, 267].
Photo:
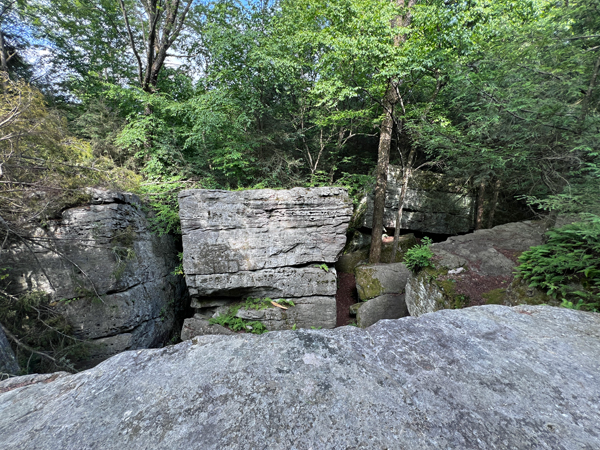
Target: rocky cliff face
[264, 243]
[488, 377]
[104, 271]
[433, 204]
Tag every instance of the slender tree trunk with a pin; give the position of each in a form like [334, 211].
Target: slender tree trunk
[480, 206]
[494, 203]
[383, 161]
[3, 54]
[406, 175]
[385, 139]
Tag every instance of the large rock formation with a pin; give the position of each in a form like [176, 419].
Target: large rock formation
[433, 204]
[103, 270]
[488, 377]
[264, 244]
[472, 269]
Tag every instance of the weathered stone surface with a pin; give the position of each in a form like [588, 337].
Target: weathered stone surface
[387, 306]
[349, 261]
[104, 271]
[433, 203]
[488, 377]
[273, 283]
[195, 326]
[265, 244]
[373, 280]
[8, 362]
[489, 259]
[226, 231]
[316, 311]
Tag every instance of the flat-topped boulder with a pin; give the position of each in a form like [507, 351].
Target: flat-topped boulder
[489, 377]
[276, 244]
[281, 282]
[231, 231]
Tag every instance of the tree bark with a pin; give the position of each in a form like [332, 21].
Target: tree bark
[383, 160]
[480, 206]
[385, 139]
[494, 204]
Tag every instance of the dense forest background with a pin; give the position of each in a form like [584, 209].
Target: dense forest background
[154, 96]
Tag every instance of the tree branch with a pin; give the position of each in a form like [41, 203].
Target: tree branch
[132, 42]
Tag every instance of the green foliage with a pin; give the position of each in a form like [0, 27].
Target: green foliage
[325, 267]
[234, 323]
[567, 266]
[419, 256]
[33, 319]
[231, 321]
[179, 269]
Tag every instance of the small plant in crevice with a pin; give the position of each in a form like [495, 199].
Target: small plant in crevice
[419, 256]
[179, 268]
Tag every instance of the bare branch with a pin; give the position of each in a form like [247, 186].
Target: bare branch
[132, 42]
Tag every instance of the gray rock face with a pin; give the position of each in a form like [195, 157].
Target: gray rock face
[488, 377]
[8, 362]
[265, 244]
[196, 326]
[316, 311]
[226, 231]
[480, 261]
[433, 204]
[112, 275]
[274, 283]
[373, 280]
[388, 306]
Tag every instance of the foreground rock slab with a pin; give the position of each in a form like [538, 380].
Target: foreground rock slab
[489, 377]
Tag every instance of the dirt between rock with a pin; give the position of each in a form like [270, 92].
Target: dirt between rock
[345, 297]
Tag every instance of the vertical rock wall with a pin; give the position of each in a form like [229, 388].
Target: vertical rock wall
[103, 270]
[264, 243]
[434, 203]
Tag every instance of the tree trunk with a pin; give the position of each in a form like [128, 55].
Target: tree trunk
[494, 204]
[3, 54]
[385, 139]
[406, 174]
[383, 161]
[480, 206]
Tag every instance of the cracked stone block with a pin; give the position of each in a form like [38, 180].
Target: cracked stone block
[102, 269]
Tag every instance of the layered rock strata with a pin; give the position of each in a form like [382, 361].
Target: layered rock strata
[101, 268]
[265, 243]
[488, 377]
[433, 203]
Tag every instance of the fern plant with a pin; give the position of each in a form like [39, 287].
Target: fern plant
[419, 256]
[567, 266]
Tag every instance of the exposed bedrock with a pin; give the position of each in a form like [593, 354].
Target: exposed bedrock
[434, 203]
[488, 377]
[476, 268]
[265, 243]
[103, 269]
